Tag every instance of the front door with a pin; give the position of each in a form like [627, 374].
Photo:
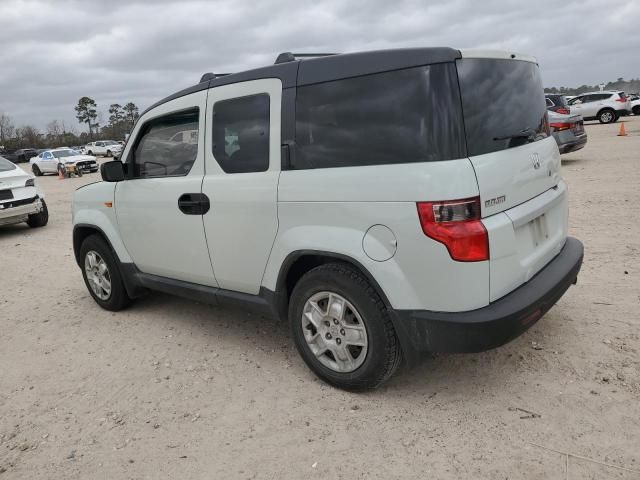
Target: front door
[159, 206]
[241, 181]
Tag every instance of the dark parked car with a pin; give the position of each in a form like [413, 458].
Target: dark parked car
[568, 131]
[557, 103]
[21, 155]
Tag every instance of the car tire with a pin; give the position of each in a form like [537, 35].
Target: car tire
[36, 170]
[89, 152]
[363, 315]
[95, 251]
[39, 219]
[636, 110]
[607, 116]
[109, 153]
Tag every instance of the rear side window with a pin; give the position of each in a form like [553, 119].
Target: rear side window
[402, 116]
[503, 104]
[160, 152]
[241, 134]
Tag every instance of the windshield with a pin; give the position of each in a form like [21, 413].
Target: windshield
[64, 153]
[6, 165]
[503, 104]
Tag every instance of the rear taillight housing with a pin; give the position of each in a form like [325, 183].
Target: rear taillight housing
[559, 126]
[457, 225]
[562, 110]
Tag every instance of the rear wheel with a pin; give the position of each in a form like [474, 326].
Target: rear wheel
[39, 219]
[36, 171]
[342, 329]
[607, 116]
[102, 275]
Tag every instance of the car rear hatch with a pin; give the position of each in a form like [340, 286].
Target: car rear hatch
[517, 166]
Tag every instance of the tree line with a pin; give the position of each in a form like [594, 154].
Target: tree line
[57, 133]
[628, 86]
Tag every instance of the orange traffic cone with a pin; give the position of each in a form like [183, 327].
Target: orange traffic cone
[622, 133]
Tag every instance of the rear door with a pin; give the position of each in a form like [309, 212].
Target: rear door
[517, 165]
[243, 166]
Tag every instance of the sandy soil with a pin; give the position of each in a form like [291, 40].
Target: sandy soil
[176, 389]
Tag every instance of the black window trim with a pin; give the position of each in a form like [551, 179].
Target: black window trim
[213, 122]
[129, 163]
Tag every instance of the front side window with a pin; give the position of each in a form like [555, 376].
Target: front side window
[241, 134]
[402, 116]
[160, 152]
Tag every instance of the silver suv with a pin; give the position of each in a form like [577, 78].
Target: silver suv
[607, 107]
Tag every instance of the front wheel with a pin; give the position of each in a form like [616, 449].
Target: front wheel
[36, 170]
[41, 218]
[342, 328]
[636, 110]
[109, 153]
[102, 275]
[607, 116]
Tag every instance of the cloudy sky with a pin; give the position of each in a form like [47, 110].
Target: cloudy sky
[54, 51]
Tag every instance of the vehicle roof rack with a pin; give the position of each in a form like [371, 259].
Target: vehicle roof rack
[210, 76]
[292, 57]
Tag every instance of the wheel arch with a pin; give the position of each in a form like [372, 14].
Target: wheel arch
[603, 109]
[299, 262]
[83, 231]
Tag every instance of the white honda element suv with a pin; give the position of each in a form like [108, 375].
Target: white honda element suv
[387, 203]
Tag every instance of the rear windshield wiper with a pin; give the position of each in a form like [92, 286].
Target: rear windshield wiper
[524, 133]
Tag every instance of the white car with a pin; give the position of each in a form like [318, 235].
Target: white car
[387, 203]
[635, 104]
[50, 161]
[21, 199]
[606, 107]
[106, 148]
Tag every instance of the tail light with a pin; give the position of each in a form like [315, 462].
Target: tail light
[558, 127]
[562, 110]
[621, 99]
[457, 225]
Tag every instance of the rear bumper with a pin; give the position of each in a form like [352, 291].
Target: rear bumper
[573, 145]
[422, 331]
[16, 211]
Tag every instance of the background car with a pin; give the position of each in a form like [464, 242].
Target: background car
[568, 131]
[557, 103]
[21, 199]
[606, 107]
[634, 102]
[50, 160]
[20, 155]
[103, 147]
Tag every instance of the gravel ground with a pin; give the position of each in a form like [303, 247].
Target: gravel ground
[175, 389]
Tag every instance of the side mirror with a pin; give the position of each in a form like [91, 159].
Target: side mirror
[112, 171]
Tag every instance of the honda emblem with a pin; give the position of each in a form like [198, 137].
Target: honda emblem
[535, 160]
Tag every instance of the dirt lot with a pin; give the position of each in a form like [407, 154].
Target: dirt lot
[176, 389]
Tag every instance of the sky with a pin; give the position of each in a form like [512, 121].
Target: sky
[52, 52]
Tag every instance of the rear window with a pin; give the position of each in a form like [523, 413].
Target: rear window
[401, 116]
[6, 165]
[503, 104]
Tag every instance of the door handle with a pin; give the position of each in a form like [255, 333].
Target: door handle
[194, 203]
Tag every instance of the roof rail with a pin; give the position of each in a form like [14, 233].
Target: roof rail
[292, 57]
[210, 76]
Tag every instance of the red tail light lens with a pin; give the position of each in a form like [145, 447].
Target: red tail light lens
[562, 110]
[621, 99]
[457, 225]
[558, 127]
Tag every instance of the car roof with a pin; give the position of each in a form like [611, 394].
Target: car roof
[305, 69]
